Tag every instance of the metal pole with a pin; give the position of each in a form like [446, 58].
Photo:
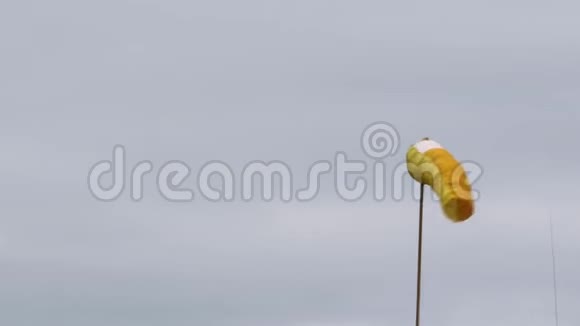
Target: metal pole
[419, 257]
[555, 284]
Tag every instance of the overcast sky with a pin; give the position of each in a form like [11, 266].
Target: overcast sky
[496, 82]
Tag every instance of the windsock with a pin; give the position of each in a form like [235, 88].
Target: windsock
[429, 163]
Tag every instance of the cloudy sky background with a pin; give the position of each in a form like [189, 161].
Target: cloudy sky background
[497, 82]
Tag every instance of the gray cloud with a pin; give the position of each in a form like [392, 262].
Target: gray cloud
[496, 83]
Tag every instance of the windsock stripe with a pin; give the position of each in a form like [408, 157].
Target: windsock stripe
[425, 145]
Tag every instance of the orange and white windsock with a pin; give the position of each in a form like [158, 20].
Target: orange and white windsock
[429, 163]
